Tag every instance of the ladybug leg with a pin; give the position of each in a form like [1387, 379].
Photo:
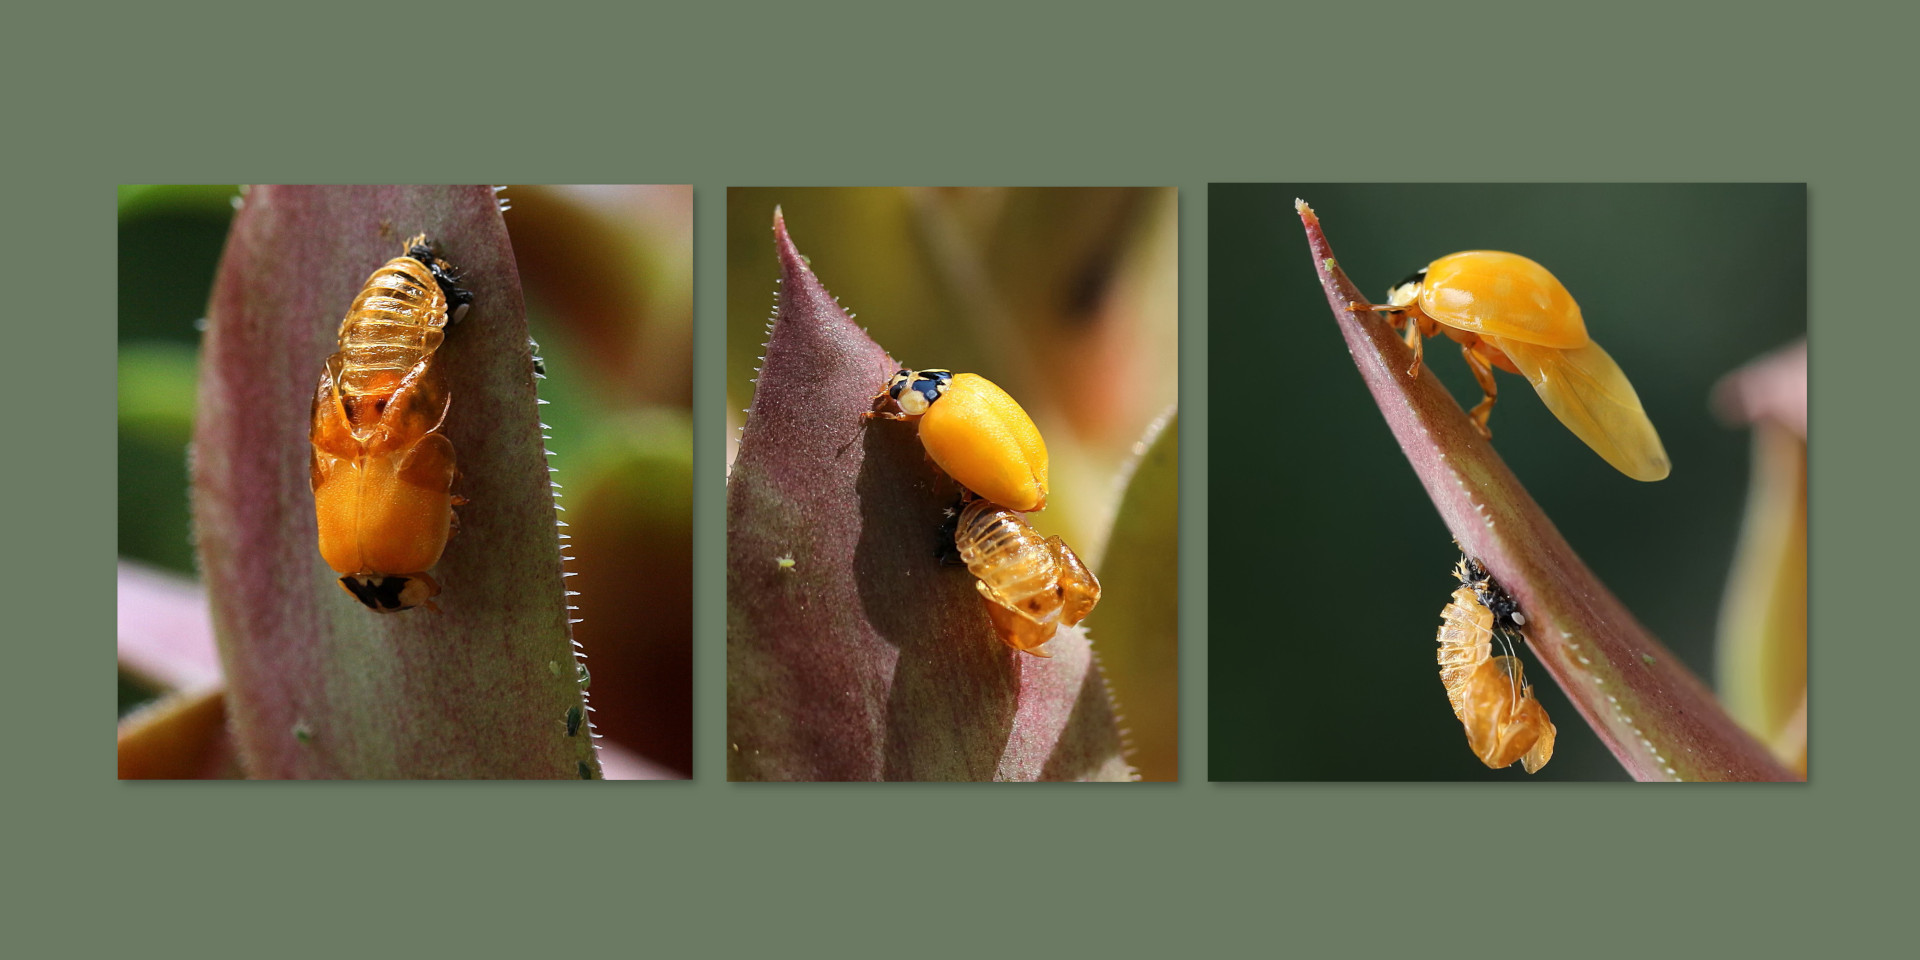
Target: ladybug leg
[1379, 308]
[877, 408]
[945, 549]
[1403, 316]
[1482, 372]
[453, 523]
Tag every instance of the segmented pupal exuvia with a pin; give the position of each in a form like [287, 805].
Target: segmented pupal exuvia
[1032, 585]
[1490, 695]
[382, 470]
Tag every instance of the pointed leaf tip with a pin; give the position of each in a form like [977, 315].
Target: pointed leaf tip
[1656, 717]
[863, 657]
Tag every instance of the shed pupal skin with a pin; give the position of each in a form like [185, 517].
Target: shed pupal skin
[1490, 695]
[381, 470]
[1031, 585]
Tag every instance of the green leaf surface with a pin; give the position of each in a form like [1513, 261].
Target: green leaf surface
[1137, 625]
[632, 500]
[853, 653]
[135, 199]
[319, 686]
[1656, 717]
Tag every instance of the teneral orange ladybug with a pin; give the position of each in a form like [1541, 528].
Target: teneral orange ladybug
[1507, 311]
[382, 470]
[1031, 585]
[1490, 695]
[975, 431]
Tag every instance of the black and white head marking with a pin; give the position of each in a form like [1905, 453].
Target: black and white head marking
[1408, 290]
[916, 390]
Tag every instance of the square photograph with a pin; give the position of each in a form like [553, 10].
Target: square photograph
[952, 494]
[394, 462]
[1600, 576]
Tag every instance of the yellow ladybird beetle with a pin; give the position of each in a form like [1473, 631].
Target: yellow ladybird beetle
[1507, 311]
[1490, 695]
[975, 432]
[1032, 585]
[382, 471]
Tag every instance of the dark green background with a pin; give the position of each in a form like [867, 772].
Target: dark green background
[1118, 94]
[1330, 565]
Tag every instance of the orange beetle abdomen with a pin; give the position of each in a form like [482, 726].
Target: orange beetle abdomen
[1493, 293]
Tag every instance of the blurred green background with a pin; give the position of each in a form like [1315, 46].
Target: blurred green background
[608, 277]
[1328, 564]
[1068, 299]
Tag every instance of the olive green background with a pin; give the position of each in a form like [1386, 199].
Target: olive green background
[993, 93]
[1331, 564]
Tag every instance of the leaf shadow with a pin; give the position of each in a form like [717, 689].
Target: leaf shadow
[853, 652]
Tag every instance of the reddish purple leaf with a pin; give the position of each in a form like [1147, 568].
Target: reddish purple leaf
[853, 653]
[1659, 720]
[319, 686]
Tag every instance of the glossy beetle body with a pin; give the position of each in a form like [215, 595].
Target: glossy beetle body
[382, 471]
[1509, 312]
[1031, 585]
[1490, 695]
[975, 432]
